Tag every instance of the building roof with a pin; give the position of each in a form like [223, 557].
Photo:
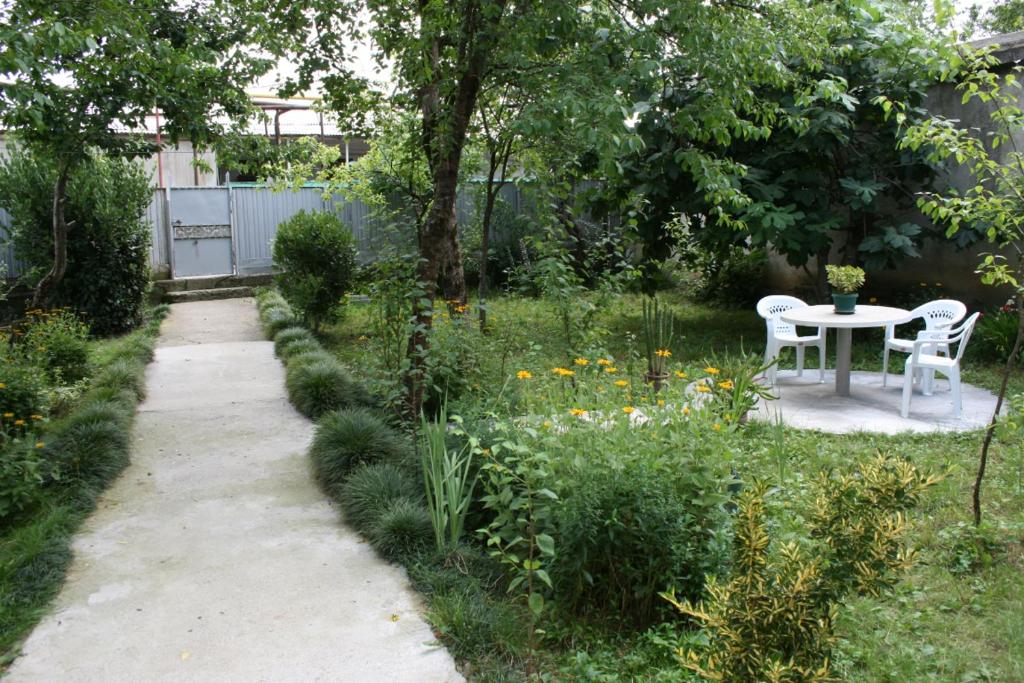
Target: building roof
[1009, 47]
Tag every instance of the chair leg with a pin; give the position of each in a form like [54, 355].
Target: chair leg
[821, 362]
[954, 388]
[800, 360]
[928, 382]
[908, 387]
[885, 365]
[771, 353]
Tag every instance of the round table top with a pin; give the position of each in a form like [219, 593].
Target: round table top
[824, 315]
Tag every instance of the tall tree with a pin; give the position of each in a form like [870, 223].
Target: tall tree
[78, 75]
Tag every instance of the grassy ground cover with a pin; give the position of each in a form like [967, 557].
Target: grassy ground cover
[956, 616]
[87, 443]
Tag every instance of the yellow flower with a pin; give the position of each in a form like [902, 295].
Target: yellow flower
[686, 410]
[717, 427]
[603, 361]
[726, 384]
[2, 385]
[563, 372]
[39, 444]
[703, 388]
[524, 374]
[661, 403]
[8, 414]
[712, 371]
[628, 410]
[938, 284]
[621, 383]
[680, 374]
[19, 422]
[581, 361]
[611, 371]
[363, 337]
[546, 424]
[577, 412]
[36, 417]
[663, 353]
[873, 300]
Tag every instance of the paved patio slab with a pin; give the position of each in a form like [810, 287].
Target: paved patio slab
[870, 407]
[214, 557]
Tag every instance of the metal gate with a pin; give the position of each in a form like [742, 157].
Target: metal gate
[201, 235]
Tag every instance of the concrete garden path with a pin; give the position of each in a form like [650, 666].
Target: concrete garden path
[214, 557]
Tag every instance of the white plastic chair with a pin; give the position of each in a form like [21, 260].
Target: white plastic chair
[781, 334]
[949, 365]
[940, 314]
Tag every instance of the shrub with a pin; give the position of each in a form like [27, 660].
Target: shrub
[57, 342]
[289, 335]
[321, 386]
[21, 394]
[347, 438]
[23, 470]
[372, 489]
[318, 256]
[108, 273]
[299, 346]
[474, 626]
[735, 278]
[995, 335]
[625, 535]
[402, 530]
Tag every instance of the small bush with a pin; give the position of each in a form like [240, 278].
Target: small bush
[473, 626]
[402, 530]
[123, 374]
[625, 535]
[347, 438]
[372, 489]
[23, 470]
[21, 394]
[318, 387]
[318, 256]
[735, 278]
[289, 335]
[57, 342]
[299, 346]
[995, 335]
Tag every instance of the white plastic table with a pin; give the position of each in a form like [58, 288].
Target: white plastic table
[825, 316]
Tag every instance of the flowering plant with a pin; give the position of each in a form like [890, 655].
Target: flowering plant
[658, 333]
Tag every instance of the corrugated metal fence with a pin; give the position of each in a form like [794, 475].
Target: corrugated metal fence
[255, 214]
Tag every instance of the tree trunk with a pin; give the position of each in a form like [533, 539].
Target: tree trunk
[990, 432]
[44, 290]
[453, 275]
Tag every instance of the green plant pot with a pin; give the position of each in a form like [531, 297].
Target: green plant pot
[845, 304]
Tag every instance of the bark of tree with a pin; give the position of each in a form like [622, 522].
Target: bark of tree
[445, 123]
[44, 289]
[498, 162]
[990, 432]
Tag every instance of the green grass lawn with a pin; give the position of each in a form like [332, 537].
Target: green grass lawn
[957, 616]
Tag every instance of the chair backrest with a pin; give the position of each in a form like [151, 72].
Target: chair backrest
[769, 308]
[940, 314]
[959, 335]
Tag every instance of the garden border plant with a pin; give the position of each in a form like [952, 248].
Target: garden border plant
[87, 447]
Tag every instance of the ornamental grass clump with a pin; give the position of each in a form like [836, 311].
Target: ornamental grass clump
[308, 357]
[322, 386]
[289, 335]
[402, 530]
[92, 446]
[276, 319]
[124, 374]
[371, 490]
[299, 346]
[347, 438]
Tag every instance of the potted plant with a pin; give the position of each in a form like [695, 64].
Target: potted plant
[658, 334]
[845, 281]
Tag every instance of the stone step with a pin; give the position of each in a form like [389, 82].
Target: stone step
[213, 282]
[207, 294]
